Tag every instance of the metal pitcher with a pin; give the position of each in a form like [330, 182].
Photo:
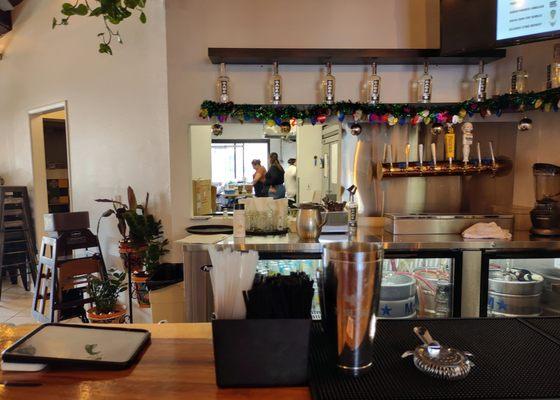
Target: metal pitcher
[310, 221]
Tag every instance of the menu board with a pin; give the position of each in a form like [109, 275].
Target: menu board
[520, 18]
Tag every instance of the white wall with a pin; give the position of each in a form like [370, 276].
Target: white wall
[117, 106]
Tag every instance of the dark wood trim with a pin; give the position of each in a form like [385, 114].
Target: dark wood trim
[258, 56]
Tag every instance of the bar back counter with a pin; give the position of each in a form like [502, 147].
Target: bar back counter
[453, 277]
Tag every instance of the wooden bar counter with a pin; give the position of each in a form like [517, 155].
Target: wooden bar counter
[178, 364]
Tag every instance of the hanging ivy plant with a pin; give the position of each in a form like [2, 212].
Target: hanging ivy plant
[113, 12]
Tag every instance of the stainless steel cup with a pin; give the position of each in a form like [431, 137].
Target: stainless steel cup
[349, 288]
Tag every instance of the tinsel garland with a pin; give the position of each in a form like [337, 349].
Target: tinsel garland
[385, 113]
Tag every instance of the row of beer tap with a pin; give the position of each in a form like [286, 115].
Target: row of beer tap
[496, 166]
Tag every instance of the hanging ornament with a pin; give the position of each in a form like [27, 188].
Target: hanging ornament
[270, 122]
[456, 119]
[217, 129]
[372, 118]
[203, 113]
[402, 121]
[321, 118]
[462, 113]
[278, 121]
[222, 118]
[499, 112]
[538, 103]
[416, 119]
[425, 113]
[547, 107]
[341, 116]
[313, 120]
[285, 127]
[526, 124]
[437, 129]
[355, 129]
[357, 115]
[392, 120]
[293, 121]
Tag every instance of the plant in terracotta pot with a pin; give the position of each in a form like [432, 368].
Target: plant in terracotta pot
[133, 243]
[105, 295]
[155, 249]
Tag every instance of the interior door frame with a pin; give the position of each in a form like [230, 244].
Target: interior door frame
[37, 112]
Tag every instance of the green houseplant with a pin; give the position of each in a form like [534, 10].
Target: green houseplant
[105, 295]
[142, 244]
[113, 12]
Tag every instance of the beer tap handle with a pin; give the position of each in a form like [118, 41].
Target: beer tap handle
[479, 154]
[491, 144]
[421, 154]
[466, 153]
[407, 154]
[434, 155]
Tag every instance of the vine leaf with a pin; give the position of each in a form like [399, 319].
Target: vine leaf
[112, 12]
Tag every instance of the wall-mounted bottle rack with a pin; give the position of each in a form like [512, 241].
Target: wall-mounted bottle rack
[500, 166]
[260, 56]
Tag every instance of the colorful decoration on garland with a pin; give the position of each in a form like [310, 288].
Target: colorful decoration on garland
[389, 114]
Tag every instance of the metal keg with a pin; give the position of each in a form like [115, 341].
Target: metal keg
[551, 294]
[512, 298]
[398, 297]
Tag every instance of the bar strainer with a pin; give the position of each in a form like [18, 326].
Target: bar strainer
[439, 361]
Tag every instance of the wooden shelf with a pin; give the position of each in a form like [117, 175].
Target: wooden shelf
[259, 56]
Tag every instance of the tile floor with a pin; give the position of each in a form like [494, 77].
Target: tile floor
[15, 306]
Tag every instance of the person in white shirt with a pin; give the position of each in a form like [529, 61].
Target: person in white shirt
[290, 179]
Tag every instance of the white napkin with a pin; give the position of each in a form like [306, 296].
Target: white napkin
[483, 230]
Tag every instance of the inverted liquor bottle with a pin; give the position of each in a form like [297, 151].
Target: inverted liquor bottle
[480, 83]
[275, 85]
[328, 86]
[553, 70]
[373, 86]
[425, 86]
[519, 78]
[223, 85]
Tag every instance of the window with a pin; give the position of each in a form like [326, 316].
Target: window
[231, 159]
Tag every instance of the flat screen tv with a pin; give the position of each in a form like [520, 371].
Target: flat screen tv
[524, 21]
[468, 26]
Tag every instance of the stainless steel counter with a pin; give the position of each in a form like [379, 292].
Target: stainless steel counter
[522, 240]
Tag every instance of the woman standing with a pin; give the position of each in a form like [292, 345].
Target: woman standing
[274, 181]
[259, 178]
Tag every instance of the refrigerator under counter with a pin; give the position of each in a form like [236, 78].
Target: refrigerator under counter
[441, 224]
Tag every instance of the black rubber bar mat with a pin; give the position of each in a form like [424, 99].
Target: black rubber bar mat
[546, 325]
[512, 361]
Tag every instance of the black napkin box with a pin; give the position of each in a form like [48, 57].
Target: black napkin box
[261, 352]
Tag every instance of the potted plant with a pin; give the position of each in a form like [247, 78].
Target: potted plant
[133, 243]
[105, 294]
[156, 248]
[142, 245]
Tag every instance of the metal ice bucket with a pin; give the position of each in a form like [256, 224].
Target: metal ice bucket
[349, 288]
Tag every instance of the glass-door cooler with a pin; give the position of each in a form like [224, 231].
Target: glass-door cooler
[414, 284]
[520, 284]
[420, 285]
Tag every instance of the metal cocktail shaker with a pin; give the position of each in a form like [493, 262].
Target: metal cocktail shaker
[349, 287]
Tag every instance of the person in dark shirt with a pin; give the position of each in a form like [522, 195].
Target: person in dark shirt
[274, 178]
[259, 178]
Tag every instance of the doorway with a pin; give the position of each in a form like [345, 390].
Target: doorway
[51, 191]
